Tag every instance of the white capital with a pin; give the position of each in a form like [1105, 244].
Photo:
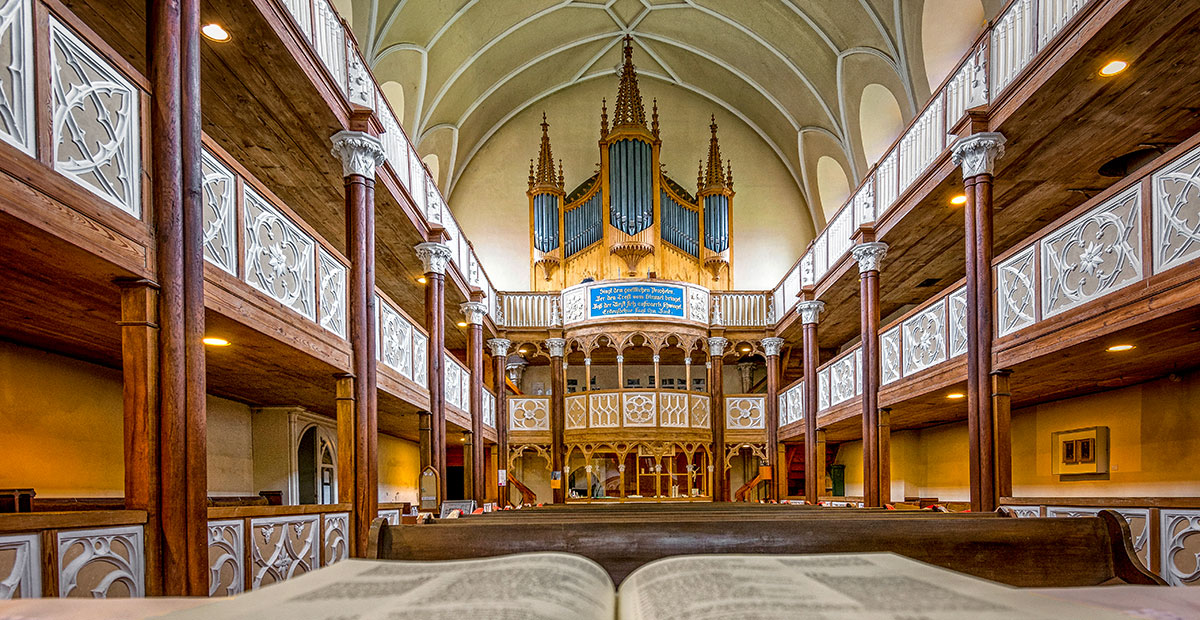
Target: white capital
[809, 310]
[772, 345]
[977, 153]
[435, 257]
[716, 346]
[869, 255]
[473, 311]
[499, 346]
[361, 153]
[556, 346]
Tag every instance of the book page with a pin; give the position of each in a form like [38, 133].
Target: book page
[875, 586]
[533, 586]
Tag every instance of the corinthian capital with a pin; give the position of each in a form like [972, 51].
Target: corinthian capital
[869, 255]
[977, 153]
[772, 345]
[810, 310]
[434, 256]
[556, 346]
[499, 346]
[716, 346]
[361, 153]
[473, 311]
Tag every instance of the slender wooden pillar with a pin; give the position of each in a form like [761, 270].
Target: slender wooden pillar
[556, 347]
[771, 346]
[474, 311]
[869, 255]
[814, 476]
[499, 349]
[716, 392]
[1002, 410]
[425, 437]
[435, 256]
[883, 425]
[139, 367]
[347, 420]
[361, 153]
[977, 155]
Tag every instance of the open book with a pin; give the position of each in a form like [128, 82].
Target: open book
[556, 586]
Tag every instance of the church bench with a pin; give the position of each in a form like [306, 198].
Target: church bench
[1044, 552]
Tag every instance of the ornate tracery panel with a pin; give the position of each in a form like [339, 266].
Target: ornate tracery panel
[283, 547]
[20, 566]
[226, 572]
[638, 409]
[220, 242]
[1180, 554]
[605, 410]
[823, 390]
[332, 274]
[279, 255]
[335, 545]
[842, 378]
[1093, 255]
[925, 338]
[700, 414]
[420, 358]
[673, 409]
[576, 412]
[16, 84]
[102, 562]
[1177, 212]
[889, 358]
[958, 322]
[1015, 292]
[1137, 518]
[395, 339]
[745, 412]
[529, 414]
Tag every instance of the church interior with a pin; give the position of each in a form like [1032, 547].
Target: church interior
[431, 280]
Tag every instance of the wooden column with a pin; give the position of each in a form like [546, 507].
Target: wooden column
[771, 346]
[139, 368]
[173, 31]
[869, 255]
[425, 437]
[977, 154]
[1002, 410]
[347, 421]
[360, 153]
[435, 256]
[474, 311]
[716, 391]
[499, 349]
[883, 425]
[556, 347]
[814, 476]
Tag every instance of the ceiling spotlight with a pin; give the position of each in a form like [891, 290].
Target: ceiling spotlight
[215, 342]
[216, 33]
[1117, 348]
[745, 349]
[1113, 68]
[955, 395]
[522, 351]
[959, 200]
[462, 323]
[422, 280]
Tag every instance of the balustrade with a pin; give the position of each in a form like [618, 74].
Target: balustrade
[633, 408]
[839, 380]
[253, 546]
[87, 554]
[403, 346]
[791, 404]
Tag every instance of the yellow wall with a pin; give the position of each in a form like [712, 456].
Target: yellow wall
[399, 469]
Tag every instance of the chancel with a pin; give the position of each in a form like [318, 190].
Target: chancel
[324, 308]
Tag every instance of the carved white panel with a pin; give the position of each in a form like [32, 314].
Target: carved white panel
[1015, 282]
[1177, 212]
[858, 371]
[420, 343]
[697, 305]
[20, 566]
[794, 399]
[842, 377]
[360, 88]
[1024, 512]
[217, 204]
[1137, 518]
[416, 187]
[925, 338]
[332, 275]
[529, 414]
[576, 412]
[639, 409]
[279, 255]
[464, 388]
[1180, 532]
[335, 538]
[329, 41]
[391, 514]
[605, 410]
[489, 409]
[95, 128]
[453, 394]
[889, 356]
[395, 339]
[1095, 254]
[226, 557]
[91, 563]
[574, 303]
[16, 84]
[823, 389]
[958, 322]
[745, 413]
[301, 10]
[673, 409]
[282, 548]
[700, 414]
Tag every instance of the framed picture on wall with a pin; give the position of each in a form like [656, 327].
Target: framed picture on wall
[1085, 449]
[1068, 452]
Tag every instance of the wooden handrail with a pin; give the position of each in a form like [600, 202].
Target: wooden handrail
[238, 512]
[527, 494]
[36, 521]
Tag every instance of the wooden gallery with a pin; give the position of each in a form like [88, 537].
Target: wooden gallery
[281, 290]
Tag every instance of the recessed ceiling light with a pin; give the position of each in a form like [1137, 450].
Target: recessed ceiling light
[216, 33]
[215, 342]
[955, 395]
[522, 351]
[422, 280]
[745, 349]
[1114, 67]
[1117, 348]
[462, 323]
[960, 199]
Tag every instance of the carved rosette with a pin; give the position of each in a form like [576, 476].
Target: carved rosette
[869, 255]
[473, 311]
[556, 346]
[499, 346]
[435, 257]
[772, 345]
[361, 153]
[810, 310]
[977, 153]
[716, 346]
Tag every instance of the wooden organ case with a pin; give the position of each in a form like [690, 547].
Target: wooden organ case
[629, 219]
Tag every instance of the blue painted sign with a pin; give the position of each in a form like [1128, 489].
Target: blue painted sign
[634, 299]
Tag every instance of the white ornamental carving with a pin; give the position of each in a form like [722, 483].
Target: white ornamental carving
[576, 412]
[279, 255]
[453, 395]
[823, 390]
[473, 311]
[925, 338]
[395, 336]
[360, 88]
[698, 303]
[420, 359]
[810, 311]
[1024, 512]
[94, 124]
[772, 345]
[639, 409]
[1093, 255]
[869, 255]
[499, 346]
[958, 322]
[360, 153]
[529, 414]
[672, 410]
[434, 256]
[1015, 292]
[226, 556]
[1180, 532]
[745, 412]
[574, 306]
[889, 358]
[605, 410]
[217, 207]
[392, 515]
[842, 379]
[282, 548]
[335, 543]
[24, 578]
[977, 153]
[16, 89]
[699, 411]
[716, 346]
[332, 310]
[556, 346]
[489, 409]
[1177, 212]
[102, 558]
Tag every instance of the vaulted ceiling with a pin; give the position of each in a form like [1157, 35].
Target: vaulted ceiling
[789, 73]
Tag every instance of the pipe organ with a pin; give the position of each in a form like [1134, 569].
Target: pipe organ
[629, 219]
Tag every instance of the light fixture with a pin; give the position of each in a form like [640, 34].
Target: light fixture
[213, 341]
[745, 349]
[522, 351]
[216, 33]
[462, 323]
[1117, 348]
[955, 395]
[1113, 67]
[959, 200]
[422, 280]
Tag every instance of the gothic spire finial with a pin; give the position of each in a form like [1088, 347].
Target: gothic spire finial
[713, 175]
[562, 179]
[603, 117]
[654, 119]
[629, 109]
[545, 165]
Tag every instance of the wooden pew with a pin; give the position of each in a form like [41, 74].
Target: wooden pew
[1042, 552]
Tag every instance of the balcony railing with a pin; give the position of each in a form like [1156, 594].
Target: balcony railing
[839, 380]
[458, 385]
[88, 554]
[403, 346]
[791, 404]
[254, 546]
[528, 310]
